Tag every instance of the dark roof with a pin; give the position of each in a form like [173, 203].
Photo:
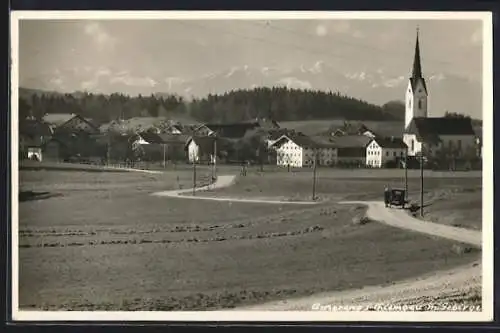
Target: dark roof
[234, 130]
[150, 137]
[351, 141]
[163, 138]
[206, 143]
[429, 129]
[391, 142]
[305, 141]
[31, 127]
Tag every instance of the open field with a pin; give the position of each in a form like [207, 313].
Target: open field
[106, 244]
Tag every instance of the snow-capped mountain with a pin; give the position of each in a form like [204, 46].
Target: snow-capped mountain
[447, 92]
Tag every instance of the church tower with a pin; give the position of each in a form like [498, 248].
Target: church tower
[416, 93]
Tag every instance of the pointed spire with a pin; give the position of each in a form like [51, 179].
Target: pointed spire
[417, 67]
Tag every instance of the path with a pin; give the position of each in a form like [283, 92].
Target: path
[400, 219]
[221, 182]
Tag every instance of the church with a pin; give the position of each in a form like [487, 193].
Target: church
[430, 135]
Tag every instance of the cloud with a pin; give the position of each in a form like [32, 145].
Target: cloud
[321, 30]
[292, 82]
[134, 81]
[102, 38]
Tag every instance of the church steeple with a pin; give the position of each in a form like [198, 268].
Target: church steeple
[417, 67]
[416, 93]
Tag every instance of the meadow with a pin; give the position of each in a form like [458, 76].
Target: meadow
[105, 244]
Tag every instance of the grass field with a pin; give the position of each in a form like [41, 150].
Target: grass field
[106, 244]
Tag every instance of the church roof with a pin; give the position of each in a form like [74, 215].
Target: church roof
[430, 129]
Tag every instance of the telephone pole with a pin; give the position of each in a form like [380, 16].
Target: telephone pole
[406, 175]
[194, 175]
[421, 184]
[314, 176]
[164, 157]
[214, 167]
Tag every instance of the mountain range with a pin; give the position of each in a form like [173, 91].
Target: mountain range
[447, 92]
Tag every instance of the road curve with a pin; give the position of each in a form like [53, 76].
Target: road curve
[221, 182]
[400, 219]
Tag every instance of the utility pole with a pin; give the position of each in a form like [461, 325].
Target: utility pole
[314, 176]
[164, 157]
[406, 175]
[194, 175]
[421, 184]
[214, 168]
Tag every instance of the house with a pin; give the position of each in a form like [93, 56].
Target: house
[351, 149]
[200, 131]
[349, 128]
[162, 146]
[429, 135]
[202, 148]
[77, 124]
[32, 135]
[301, 151]
[381, 152]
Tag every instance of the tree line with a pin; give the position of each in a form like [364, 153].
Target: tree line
[279, 103]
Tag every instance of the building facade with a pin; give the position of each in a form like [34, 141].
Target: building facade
[380, 152]
[302, 151]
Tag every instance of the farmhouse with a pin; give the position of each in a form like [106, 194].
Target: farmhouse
[423, 134]
[383, 151]
[32, 135]
[160, 146]
[300, 150]
[351, 149]
[201, 149]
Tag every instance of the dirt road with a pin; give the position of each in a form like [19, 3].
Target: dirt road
[224, 181]
[400, 219]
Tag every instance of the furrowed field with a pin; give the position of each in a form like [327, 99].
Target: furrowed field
[103, 243]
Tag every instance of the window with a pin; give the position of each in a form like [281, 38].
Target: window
[459, 144]
[412, 144]
[394, 154]
[386, 153]
[420, 103]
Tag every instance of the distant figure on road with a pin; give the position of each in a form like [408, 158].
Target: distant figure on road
[387, 196]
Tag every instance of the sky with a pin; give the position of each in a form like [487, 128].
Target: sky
[187, 49]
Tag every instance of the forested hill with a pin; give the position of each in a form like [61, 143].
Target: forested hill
[281, 104]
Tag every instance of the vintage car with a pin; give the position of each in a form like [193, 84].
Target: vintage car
[397, 197]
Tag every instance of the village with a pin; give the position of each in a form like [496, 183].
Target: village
[257, 240]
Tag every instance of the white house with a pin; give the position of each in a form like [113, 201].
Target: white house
[431, 134]
[201, 149]
[382, 150]
[300, 151]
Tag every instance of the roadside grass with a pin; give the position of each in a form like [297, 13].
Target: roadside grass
[458, 207]
[109, 245]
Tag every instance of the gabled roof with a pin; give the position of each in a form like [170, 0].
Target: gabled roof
[304, 141]
[430, 129]
[205, 143]
[351, 141]
[32, 127]
[94, 128]
[57, 118]
[234, 130]
[391, 142]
